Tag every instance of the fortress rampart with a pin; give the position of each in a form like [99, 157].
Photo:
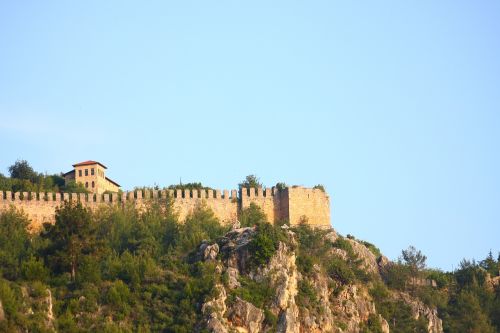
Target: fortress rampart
[292, 203]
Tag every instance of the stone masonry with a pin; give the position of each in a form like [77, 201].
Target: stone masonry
[294, 203]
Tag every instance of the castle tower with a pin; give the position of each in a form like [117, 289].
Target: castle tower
[92, 175]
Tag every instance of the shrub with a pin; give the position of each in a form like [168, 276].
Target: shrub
[372, 325]
[257, 293]
[270, 320]
[252, 215]
[118, 296]
[375, 250]
[307, 297]
[305, 263]
[33, 269]
[265, 243]
[339, 270]
[319, 187]
[344, 244]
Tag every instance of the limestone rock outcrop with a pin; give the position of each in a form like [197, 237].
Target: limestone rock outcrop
[244, 315]
[419, 309]
[339, 307]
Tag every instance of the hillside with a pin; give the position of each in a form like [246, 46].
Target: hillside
[125, 270]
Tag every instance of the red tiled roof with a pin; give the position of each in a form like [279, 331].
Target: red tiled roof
[109, 180]
[89, 163]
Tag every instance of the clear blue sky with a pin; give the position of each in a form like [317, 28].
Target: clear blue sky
[393, 105]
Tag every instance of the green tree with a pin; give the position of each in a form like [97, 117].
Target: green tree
[71, 237]
[490, 265]
[414, 258]
[22, 170]
[467, 315]
[251, 181]
[415, 261]
[15, 242]
[200, 225]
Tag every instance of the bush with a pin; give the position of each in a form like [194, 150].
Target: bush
[308, 298]
[344, 244]
[252, 215]
[372, 325]
[319, 187]
[265, 243]
[305, 263]
[118, 296]
[375, 250]
[34, 269]
[257, 293]
[339, 270]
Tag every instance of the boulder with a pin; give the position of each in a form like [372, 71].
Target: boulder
[214, 311]
[332, 236]
[208, 252]
[243, 314]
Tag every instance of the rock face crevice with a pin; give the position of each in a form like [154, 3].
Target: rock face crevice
[346, 308]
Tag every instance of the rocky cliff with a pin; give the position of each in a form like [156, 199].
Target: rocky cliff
[278, 297]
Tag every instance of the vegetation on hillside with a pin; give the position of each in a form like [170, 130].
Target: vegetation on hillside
[124, 270]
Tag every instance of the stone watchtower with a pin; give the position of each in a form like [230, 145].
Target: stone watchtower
[91, 175]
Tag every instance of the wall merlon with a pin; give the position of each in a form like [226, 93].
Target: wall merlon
[291, 203]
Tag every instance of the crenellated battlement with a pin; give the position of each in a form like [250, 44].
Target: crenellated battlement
[292, 203]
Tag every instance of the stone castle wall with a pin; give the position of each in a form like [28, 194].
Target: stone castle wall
[294, 204]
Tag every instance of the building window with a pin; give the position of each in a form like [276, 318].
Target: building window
[79, 173]
[86, 172]
[92, 171]
[93, 185]
[87, 184]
